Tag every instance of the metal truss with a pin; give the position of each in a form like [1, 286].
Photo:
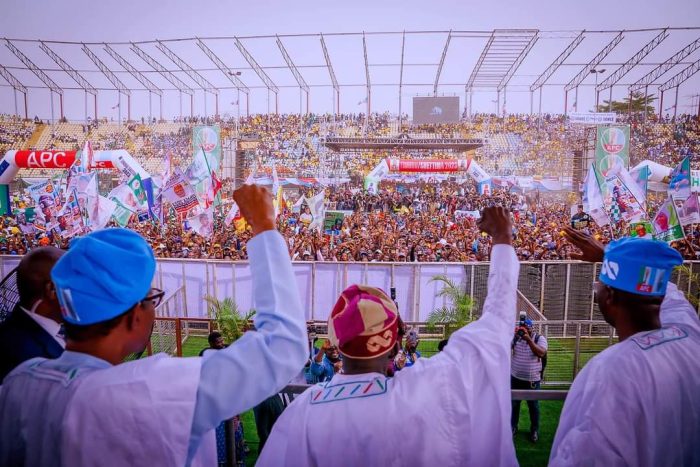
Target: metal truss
[654, 74]
[329, 65]
[292, 67]
[118, 85]
[678, 79]
[153, 63]
[188, 70]
[585, 71]
[367, 77]
[542, 79]
[258, 70]
[502, 51]
[618, 74]
[82, 82]
[133, 71]
[222, 67]
[35, 69]
[440, 65]
[514, 67]
[14, 82]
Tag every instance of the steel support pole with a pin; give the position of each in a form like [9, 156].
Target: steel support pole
[95, 107]
[26, 106]
[192, 105]
[576, 100]
[675, 104]
[52, 114]
[566, 101]
[60, 103]
[661, 104]
[532, 96]
[128, 107]
[160, 107]
[15, 96]
[216, 105]
[646, 101]
[150, 107]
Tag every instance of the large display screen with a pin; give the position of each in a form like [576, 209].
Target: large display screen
[435, 110]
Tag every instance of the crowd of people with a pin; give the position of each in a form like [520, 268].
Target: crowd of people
[403, 222]
[83, 312]
[517, 144]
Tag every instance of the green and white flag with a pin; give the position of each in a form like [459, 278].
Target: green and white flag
[667, 223]
[121, 213]
[612, 149]
[136, 185]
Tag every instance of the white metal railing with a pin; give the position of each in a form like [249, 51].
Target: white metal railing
[552, 290]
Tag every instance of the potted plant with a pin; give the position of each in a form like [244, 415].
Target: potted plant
[457, 313]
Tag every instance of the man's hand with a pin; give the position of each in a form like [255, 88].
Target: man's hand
[255, 203]
[591, 249]
[496, 222]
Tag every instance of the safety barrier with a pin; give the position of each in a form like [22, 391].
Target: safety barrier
[548, 290]
[571, 344]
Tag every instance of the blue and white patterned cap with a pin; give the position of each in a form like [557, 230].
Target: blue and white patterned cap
[639, 266]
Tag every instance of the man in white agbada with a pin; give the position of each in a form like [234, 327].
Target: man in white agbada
[451, 409]
[636, 403]
[86, 408]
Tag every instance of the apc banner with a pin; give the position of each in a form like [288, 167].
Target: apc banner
[207, 139]
[612, 149]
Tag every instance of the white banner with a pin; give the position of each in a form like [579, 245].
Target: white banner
[591, 118]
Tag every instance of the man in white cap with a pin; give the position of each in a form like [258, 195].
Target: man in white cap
[636, 403]
[450, 409]
[86, 408]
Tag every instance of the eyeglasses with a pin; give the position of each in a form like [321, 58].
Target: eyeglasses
[155, 297]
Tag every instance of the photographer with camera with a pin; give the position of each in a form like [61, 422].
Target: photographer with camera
[529, 352]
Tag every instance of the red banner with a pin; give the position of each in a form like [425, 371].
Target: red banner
[52, 160]
[428, 165]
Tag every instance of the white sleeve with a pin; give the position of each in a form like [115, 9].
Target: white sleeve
[677, 309]
[261, 362]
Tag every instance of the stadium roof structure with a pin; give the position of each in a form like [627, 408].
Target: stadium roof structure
[499, 63]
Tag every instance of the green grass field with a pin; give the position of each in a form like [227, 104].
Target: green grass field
[561, 355]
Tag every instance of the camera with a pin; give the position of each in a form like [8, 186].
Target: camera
[522, 324]
[312, 332]
[392, 292]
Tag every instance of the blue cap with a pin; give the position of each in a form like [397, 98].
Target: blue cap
[639, 266]
[103, 275]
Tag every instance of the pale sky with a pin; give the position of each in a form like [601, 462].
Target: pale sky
[131, 20]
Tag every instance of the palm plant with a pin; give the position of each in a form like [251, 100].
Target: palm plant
[230, 322]
[458, 313]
